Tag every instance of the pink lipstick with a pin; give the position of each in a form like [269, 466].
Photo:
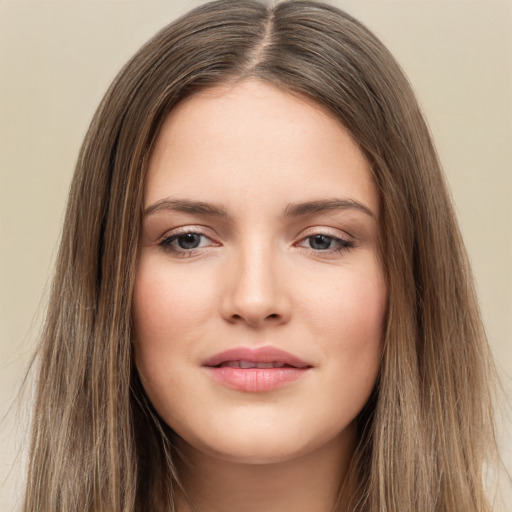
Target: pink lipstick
[255, 370]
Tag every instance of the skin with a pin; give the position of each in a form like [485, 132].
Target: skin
[258, 278]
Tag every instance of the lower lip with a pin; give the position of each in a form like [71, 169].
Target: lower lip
[255, 380]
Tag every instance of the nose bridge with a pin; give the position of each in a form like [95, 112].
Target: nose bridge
[257, 292]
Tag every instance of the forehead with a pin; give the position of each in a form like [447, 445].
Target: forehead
[252, 140]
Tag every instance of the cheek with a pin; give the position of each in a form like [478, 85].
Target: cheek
[351, 307]
[361, 326]
[168, 305]
[352, 317]
[365, 309]
[170, 310]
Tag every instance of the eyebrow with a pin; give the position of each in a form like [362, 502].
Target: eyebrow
[292, 210]
[325, 205]
[186, 206]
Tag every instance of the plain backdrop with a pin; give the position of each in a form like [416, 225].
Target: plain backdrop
[57, 59]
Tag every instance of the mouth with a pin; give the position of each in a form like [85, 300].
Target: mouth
[255, 370]
[251, 364]
[259, 357]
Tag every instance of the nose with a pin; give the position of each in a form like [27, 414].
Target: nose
[256, 289]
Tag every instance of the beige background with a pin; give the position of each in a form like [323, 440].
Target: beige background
[58, 57]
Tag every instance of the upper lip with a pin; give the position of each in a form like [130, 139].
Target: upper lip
[256, 355]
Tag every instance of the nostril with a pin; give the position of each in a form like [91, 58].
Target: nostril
[236, 317]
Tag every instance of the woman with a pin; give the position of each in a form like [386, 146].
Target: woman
[262, 301]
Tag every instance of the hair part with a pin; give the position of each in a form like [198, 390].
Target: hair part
[428, 428]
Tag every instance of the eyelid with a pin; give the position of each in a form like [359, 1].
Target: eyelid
[165, 241]
[344, 241]
[188, 228]
[327, 231]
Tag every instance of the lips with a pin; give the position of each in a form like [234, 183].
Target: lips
[255, 370]
[251, 364]
[257, 356]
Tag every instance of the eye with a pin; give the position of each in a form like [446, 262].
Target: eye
[321, 242]
[185, 243]
[188, 240]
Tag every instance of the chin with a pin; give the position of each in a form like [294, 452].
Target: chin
[248, 453]
[259, 445]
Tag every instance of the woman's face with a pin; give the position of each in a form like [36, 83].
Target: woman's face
[259, 295]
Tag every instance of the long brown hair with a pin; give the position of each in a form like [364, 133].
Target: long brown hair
[428, 428]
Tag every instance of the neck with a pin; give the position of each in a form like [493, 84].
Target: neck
[309, 482]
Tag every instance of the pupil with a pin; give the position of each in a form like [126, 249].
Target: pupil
[320, 242]
[189, 241]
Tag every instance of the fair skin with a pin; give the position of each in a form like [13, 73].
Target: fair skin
[284, 256]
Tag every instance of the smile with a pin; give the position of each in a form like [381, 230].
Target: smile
[250, 364]
[255, 370]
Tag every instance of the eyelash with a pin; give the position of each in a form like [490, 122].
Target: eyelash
[166, 244]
